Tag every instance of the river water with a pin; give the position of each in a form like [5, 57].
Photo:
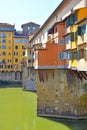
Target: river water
[18, 112]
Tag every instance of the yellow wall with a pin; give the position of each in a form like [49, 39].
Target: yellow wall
[8, 50]
[9, 56]
[20, 51]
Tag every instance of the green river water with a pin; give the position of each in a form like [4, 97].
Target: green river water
[18, 112]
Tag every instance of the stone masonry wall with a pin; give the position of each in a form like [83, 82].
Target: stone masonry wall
[59, 93]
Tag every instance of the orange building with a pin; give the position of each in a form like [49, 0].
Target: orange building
[52, 56]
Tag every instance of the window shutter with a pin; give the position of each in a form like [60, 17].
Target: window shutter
[72, 36]
[83, 29]
[79, 31]
[69, 55]
[75, 17]
[78, 54]
[71, 20]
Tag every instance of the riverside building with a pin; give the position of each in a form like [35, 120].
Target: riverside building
[12, 44]
[60, 62]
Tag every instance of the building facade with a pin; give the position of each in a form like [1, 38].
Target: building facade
[12, 47]
[30, 28]
[60, 54]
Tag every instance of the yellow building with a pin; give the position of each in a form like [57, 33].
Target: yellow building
[76, 36]
[6, 47]
[12, 48]
[20, 44]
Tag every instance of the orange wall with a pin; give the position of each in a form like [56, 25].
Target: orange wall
[50, 56]
[82, 13]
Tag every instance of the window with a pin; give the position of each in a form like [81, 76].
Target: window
[16, 60]
[33, 28]
[3, 41]
[28, 28]
[10, 66]
[23, 53]
[3, 53]
[6, 29]
[3, 61]
[16, 47]
[9, 60]
[26, 41]
[15, 53]
[63, 55]
[9, 53]
[81, 30]
[3, 35]
[4, 47]
[3, 66]
[61, 41]
[23, 47]
[67, 39]
[71, 20]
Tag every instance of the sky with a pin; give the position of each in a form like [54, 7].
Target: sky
[19, 12]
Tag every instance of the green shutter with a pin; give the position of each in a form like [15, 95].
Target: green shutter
[83, 29]
[72, 36]
[70, 53]
[75, 17]
[79, 31]
[71, 20]
[78, 54]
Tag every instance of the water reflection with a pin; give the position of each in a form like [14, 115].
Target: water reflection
[72, 124]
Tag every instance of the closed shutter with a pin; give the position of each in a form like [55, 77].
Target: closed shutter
[72, 36]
